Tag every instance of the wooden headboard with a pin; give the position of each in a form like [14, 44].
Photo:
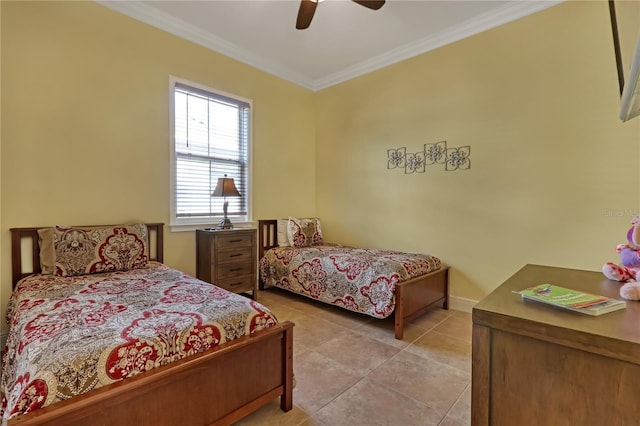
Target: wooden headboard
[267, 236]
[18, 235]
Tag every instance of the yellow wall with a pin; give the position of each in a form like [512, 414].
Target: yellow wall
[85, 136]
[554, 174]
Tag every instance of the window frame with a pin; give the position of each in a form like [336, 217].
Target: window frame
[190, 224]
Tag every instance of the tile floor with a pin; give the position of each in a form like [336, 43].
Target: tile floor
[350, 370]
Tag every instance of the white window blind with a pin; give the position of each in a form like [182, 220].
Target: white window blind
[211, 138]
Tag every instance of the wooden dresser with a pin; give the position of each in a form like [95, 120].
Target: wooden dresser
[228, 259]
[534, 364]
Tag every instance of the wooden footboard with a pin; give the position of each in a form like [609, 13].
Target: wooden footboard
[413, 297]
[216, 387]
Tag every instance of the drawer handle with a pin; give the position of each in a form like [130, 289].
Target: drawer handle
[235, 255]
[235, 241]
[235, 269]
[235, 284]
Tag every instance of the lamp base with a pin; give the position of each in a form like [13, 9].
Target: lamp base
[225, 224]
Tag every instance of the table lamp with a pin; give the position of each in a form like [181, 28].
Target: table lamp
[226, 187]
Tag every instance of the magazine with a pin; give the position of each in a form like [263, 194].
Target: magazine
[574, 300]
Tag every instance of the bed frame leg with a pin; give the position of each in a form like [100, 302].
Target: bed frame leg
[445, 304]
[399, 313]
[286, 400]
[399, 329]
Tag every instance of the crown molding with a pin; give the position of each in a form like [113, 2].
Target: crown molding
[471, 27]
[168, 23]
[478, 24]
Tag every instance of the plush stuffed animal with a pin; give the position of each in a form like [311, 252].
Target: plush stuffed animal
[629, 269]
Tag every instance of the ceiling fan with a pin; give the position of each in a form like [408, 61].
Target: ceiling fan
[308, 8]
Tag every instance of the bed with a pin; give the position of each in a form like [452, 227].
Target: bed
[329, 273]
[217, 378]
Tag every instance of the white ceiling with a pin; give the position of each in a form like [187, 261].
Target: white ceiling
[345, 40]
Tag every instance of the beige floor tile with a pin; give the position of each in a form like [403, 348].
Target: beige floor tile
[460, 413]
[271, 294]
[451, 422]
[350, 369]
[462, 314]
[444, 349]
[358, 353]
[457, 325]
[343, 317]
[271, 414]
[368, 403]
[319, 380]
[283, 312]
[312, 331]
[305, 341]
[382, 330]
[435, 385]
[312, 421]
[432, 318]
[267, 296]
[299, 348]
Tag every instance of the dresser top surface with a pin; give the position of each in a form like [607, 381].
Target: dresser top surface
[505, 309]
[225, 231]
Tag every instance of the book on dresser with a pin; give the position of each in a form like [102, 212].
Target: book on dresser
[573, 300]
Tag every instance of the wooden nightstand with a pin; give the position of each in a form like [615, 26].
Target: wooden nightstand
[228, 259]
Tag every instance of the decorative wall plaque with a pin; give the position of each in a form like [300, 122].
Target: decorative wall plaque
[432, 153]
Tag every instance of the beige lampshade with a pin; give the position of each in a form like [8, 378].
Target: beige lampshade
[225, 187]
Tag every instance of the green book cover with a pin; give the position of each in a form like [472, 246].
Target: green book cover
[574, 300]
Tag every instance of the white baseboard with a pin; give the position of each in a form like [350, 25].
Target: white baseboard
[461, 304]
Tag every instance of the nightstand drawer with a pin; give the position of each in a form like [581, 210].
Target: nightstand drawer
[237, 284]
[234, 269]
[238, 255]
[233, 240]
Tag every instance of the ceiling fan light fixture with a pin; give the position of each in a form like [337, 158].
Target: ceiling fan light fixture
[371, 4]
[305, 13]
[308, 8]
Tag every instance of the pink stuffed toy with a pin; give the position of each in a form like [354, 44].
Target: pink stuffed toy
[629, 269]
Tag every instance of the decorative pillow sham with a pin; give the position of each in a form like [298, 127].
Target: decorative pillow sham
[92, 250]
[47, 251]
[283, 236]
[304, 232]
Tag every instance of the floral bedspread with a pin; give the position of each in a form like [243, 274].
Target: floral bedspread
[360, 280]
[69, 335]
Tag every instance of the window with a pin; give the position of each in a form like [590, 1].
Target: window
[210, 138]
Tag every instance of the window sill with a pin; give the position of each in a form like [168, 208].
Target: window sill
[192, 226]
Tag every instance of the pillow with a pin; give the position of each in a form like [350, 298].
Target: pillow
[47, 252]
[91, 250]
[304, 232]
[283, 236]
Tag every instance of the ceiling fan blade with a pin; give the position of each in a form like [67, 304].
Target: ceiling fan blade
[371, 4]
[305, 13]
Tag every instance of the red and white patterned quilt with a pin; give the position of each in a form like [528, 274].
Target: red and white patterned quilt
[69, 335]
[360, 280]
